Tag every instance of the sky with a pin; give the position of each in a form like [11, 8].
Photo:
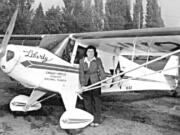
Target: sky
[170, 9]
[48, 3]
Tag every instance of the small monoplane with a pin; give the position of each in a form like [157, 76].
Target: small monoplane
[53, 66]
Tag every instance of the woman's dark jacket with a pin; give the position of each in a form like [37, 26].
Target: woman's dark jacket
[95, 72]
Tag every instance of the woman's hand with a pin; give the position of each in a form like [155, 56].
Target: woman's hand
[81, 89]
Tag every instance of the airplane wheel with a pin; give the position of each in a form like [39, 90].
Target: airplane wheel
[18, 103]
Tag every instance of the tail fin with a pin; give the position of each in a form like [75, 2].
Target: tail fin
[171, 67]
[171, 71]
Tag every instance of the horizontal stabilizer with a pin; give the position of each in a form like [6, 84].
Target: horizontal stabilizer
[171, 67]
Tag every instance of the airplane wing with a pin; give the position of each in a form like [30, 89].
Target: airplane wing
[158, 40]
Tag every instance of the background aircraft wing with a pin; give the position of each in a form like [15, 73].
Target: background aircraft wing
[30, 40]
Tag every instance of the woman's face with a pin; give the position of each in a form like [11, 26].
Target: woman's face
[90, 53]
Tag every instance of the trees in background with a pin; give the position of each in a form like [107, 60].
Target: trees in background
[38, 21]
[54, 21]
[138, 14]
[117, 16]
[24, 15]
[4, 16]
[82, 16]
[72, 13]
[153, 16]
[98, 15]
[79, 16]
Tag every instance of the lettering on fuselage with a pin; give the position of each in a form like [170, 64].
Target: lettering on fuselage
[54, 76]
[35, 54]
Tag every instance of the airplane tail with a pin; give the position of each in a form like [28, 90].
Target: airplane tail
[171, 71]
[171, 67]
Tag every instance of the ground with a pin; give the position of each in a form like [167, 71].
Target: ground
[134, 113]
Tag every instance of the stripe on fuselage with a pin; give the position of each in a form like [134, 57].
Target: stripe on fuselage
[49, 66]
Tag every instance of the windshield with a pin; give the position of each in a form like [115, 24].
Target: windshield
[52, 42]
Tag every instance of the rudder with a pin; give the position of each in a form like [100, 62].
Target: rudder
[171, 68]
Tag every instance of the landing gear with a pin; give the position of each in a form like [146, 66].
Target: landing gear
[19, 104]
[73, 120]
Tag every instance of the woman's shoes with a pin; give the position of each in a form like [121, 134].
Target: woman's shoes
[94, 124]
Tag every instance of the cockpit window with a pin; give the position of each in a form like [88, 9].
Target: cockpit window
[52, 43]
[60, 48]
[67, 53]
[64, 49]
[10, 55]
[79, 54]
[52, 47]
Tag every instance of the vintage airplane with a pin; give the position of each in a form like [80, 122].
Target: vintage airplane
[53, 66]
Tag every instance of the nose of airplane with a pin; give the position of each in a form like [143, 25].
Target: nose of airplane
[10, 58]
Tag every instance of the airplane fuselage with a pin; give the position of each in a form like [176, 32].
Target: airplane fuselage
[38, 68]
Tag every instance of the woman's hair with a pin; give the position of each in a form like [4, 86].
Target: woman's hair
[91, 47]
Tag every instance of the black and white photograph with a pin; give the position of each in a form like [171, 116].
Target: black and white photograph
[89, 67]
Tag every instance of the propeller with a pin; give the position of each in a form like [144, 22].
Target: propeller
[8, 34]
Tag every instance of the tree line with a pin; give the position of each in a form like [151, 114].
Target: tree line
[80, 16]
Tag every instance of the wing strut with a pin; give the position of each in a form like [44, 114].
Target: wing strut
[149, 50]
[35, 95]
[134, 49]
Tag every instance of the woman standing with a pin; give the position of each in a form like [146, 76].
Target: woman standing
[91, 71]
